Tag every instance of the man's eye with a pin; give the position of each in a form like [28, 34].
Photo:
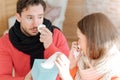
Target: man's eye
[40, 17]
[30, 18]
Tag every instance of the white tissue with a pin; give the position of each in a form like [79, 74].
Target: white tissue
[49, 63]
[40, 26]
[75, 53]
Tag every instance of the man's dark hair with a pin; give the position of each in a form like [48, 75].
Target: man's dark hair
[22, 4]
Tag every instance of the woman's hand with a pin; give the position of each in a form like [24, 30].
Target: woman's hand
[74, 54]
[63, 63]
[28, 76]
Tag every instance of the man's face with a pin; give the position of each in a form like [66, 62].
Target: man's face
[30, 18]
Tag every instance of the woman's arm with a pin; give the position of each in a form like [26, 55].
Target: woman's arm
[63, 63]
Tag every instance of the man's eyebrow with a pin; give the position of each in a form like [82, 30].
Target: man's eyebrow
[38, 15]
[41, 14]
[29, 15]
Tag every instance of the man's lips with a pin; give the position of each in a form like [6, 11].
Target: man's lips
[34, 30]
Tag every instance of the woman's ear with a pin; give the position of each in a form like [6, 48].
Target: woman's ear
[18, 17]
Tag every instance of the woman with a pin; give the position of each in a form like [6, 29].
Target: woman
[95, 56]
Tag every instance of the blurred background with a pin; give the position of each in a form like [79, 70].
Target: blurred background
[75, 10]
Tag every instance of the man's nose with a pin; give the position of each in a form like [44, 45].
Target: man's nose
[36, 22]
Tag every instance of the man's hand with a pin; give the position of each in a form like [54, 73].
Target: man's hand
[46, 37]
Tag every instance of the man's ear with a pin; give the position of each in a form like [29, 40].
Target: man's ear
[18, 17]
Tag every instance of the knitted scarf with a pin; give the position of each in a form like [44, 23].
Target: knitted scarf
[28, 45]
[105, 68]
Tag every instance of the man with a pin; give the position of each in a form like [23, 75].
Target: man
[24, 43]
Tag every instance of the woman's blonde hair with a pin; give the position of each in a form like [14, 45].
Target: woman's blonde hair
[99, 31]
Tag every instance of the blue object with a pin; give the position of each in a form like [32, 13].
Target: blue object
[40, 73]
